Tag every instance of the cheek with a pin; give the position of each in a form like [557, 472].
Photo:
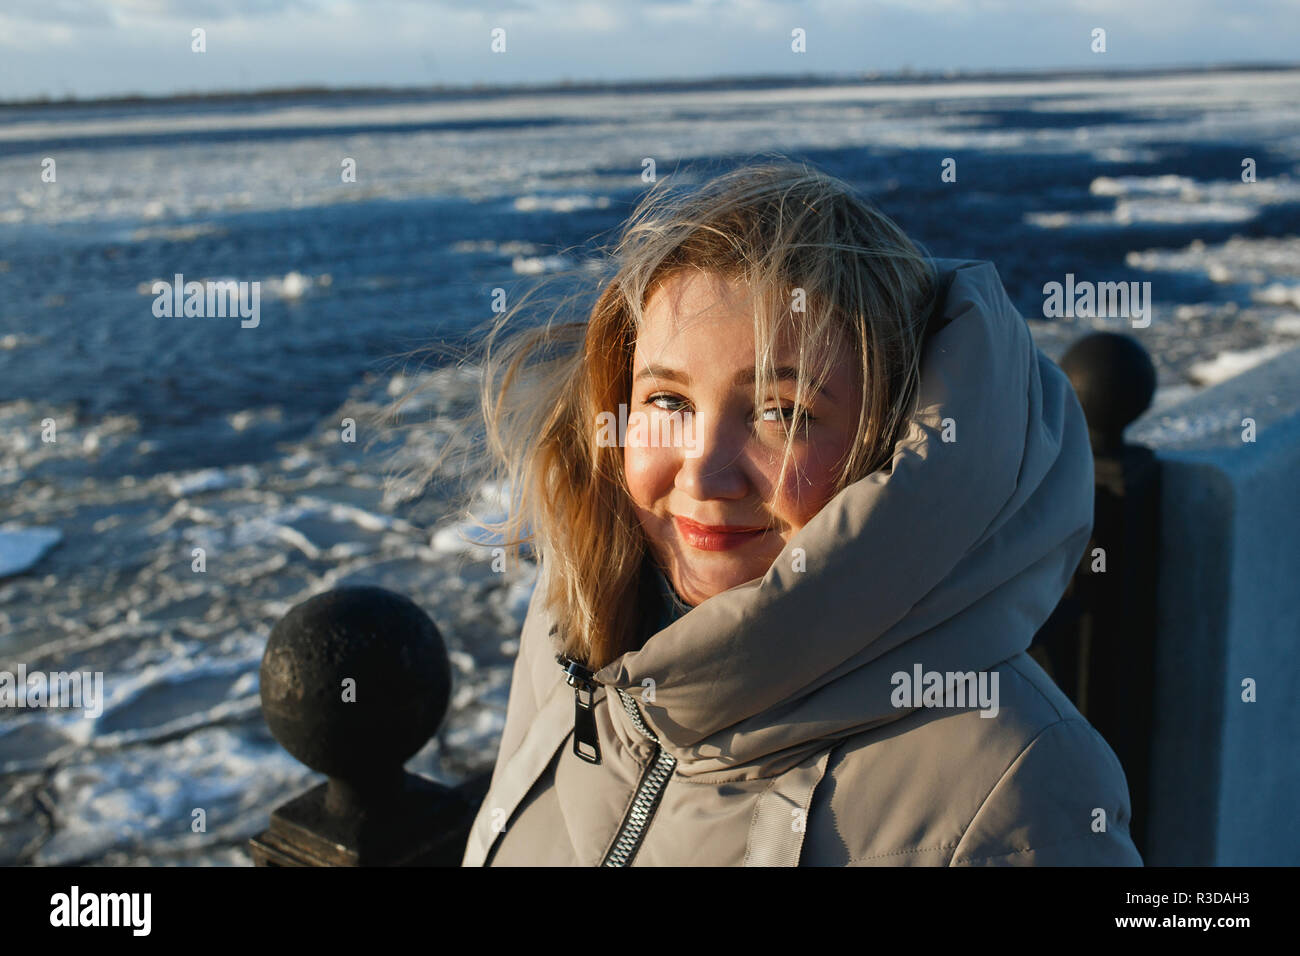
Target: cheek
[817, 470]
[650, 473]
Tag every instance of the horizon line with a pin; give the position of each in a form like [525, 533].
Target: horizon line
[899, 76]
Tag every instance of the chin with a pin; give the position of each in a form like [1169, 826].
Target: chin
[705, 584]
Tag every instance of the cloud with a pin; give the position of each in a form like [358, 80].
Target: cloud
[98, 48]
[61, 12]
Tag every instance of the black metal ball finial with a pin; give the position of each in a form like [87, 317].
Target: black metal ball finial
[395, 658]
[1115, 380]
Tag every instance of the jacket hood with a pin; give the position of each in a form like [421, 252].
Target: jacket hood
[950, 557]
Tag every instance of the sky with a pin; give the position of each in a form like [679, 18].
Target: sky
[88, 48]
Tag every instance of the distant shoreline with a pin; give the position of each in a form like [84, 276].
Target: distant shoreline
[756, 82]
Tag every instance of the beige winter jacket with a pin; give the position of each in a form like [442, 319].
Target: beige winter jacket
[786, 724]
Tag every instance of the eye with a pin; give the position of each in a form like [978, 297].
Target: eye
[794, 413]
[665, 397]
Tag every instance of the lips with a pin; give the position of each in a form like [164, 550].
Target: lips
[717, 528]
[715, 537]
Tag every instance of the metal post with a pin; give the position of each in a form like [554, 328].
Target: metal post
[1099, 644]
[353, 683]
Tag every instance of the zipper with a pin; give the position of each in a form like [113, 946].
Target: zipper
[648, 792]
[583, 681]
[649, 788]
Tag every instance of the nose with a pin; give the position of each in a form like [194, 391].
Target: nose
[715, 468]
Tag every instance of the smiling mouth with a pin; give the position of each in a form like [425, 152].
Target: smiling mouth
[715, 537]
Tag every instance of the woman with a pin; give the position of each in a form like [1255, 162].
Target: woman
[782, 618]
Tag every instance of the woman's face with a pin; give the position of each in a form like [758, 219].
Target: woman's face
[696, 355]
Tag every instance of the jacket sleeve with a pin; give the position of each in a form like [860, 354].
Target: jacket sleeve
[1064, 801]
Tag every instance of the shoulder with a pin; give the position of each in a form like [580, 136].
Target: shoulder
[1032, 784]
[535, 675]
[1063, 802]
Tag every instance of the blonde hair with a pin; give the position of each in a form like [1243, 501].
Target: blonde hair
[777, 228]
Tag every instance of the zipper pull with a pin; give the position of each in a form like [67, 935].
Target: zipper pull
[583, 681]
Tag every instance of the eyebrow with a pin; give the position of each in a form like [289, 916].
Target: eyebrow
[784, 373]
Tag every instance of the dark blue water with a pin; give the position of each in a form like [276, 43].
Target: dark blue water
[398, 284]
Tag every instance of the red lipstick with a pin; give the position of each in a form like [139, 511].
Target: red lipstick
[715, 537]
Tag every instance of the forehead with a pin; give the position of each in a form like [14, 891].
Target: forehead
[690, 307]
[706, 318]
